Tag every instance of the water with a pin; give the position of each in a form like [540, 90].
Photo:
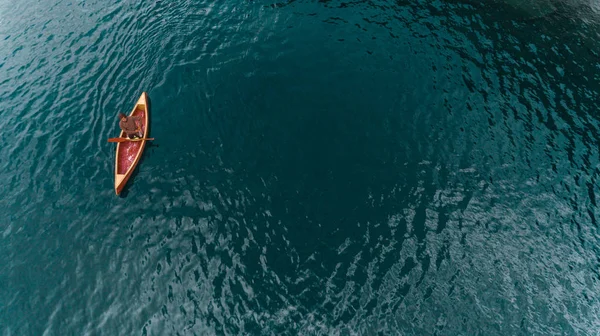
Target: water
[319, 168]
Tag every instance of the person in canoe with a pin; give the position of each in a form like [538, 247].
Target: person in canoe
[131, 126]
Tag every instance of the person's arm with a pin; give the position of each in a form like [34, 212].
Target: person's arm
[138, 123]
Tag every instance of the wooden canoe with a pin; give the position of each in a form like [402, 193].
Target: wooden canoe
[129, 152]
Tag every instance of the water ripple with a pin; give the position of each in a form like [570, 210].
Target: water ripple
[321, 168]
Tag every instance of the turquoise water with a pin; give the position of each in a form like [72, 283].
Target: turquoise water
[319, 168]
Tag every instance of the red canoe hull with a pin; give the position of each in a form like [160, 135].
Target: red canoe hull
[129, 152]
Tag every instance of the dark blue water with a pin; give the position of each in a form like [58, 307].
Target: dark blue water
[319, 168]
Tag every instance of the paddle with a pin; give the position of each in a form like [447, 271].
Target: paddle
[127, 139]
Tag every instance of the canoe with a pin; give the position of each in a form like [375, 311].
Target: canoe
[129, 152]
